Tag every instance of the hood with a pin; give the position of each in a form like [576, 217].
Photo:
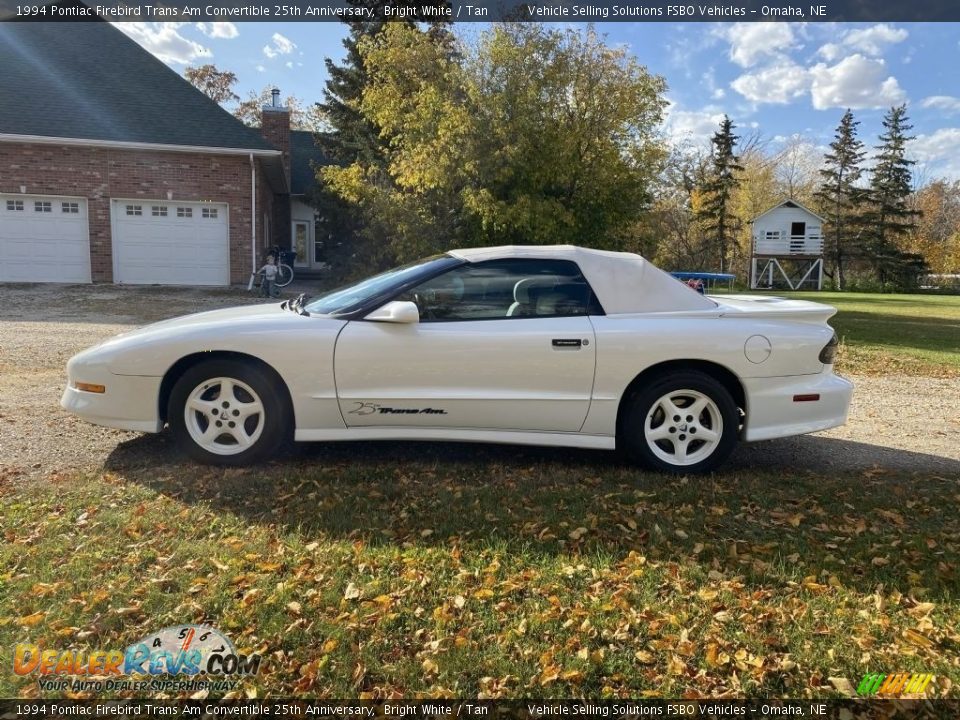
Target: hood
[208, 318]
[152, 349]
[767, 306]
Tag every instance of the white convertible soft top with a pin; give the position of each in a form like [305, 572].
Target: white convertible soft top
[623, 282]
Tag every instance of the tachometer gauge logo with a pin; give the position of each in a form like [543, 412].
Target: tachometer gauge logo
[188, 650]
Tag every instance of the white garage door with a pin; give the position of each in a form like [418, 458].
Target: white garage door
[170, 243]
[44, 238]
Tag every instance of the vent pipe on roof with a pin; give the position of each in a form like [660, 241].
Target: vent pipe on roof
[275, 93]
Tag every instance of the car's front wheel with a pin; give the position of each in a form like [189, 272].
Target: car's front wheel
[226, 412]
[685, 422]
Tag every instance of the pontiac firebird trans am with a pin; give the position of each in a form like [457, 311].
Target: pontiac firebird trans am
[552, 345]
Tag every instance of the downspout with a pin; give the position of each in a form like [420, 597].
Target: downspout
[253, 222]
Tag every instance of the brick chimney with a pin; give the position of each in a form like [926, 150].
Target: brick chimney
[275, 128]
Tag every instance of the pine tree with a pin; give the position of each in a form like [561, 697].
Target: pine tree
[890, 216]
[839, 196]
[351, 138]
[715, 214]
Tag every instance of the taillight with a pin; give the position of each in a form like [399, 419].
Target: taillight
[829, 352]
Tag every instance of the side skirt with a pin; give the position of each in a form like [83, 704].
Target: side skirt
[508, 437]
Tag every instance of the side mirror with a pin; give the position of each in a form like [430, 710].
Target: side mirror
[398, 311]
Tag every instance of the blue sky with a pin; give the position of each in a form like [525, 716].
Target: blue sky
[774, 79]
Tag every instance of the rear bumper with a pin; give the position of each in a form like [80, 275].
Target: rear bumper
[772, 412]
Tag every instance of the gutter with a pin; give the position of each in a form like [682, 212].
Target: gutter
[124, 145]
[253, 222]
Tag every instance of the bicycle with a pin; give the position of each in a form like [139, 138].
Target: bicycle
[284, 260]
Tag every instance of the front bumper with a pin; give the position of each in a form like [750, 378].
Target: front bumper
[129, 403]
[773, 413]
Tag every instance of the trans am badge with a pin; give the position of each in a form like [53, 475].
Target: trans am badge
[366, 408]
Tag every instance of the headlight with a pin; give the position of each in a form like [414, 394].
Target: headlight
[829, 352]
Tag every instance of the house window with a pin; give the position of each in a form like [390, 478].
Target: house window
[70, 208]
[184, 212]
[210, 213]
[798, 228]
[772, 235]
[158, 211]
[15, 205]
[43, 206]
[134, 210]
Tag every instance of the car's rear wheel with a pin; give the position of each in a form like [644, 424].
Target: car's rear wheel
[685, 422]
[226, 412]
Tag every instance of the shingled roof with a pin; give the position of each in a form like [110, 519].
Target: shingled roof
[90, 81]
[305, 157]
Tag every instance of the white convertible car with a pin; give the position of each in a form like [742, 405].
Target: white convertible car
[530, 345]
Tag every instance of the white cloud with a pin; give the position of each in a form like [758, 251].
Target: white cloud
[870, 41]
[289, 64]
[261, 68]
[284, 45]
[279, 45]
[692, 125]
[855, 82]
[751, 42]
[165, 42]
[224, 30]
[778, 84]
[938, 150]
[710, 81]
[945, 103]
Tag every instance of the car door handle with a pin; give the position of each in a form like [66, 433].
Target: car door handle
[567, 342]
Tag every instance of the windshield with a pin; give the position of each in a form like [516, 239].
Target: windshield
[354, 297]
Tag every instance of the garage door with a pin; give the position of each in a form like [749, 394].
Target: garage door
[170, 243]
[44, 238]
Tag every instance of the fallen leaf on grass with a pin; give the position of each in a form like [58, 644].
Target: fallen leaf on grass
[644, 657]
[32, 620]
[842, 685]
[918, 638]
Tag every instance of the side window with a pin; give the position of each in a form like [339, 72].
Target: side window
[500, 289]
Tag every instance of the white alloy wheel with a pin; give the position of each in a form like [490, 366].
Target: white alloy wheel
[224, 416]
[683, 427]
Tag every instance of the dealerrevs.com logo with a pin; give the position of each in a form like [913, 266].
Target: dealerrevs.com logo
[174, 659]
[894, 685]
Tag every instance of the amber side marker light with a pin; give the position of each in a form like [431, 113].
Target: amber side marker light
[90, 387]
[813, 397]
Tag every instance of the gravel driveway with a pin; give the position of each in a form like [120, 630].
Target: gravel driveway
[902, 423]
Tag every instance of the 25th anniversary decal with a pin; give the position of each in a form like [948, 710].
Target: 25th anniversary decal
[367, 408]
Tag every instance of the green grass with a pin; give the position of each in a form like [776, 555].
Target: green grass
[384, 572]
[883, 334]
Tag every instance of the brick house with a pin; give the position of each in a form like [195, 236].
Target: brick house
[113, 168]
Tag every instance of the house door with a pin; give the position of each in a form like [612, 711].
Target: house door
[301, 243]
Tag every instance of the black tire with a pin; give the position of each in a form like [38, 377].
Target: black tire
[644, 404]
[275, 417]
